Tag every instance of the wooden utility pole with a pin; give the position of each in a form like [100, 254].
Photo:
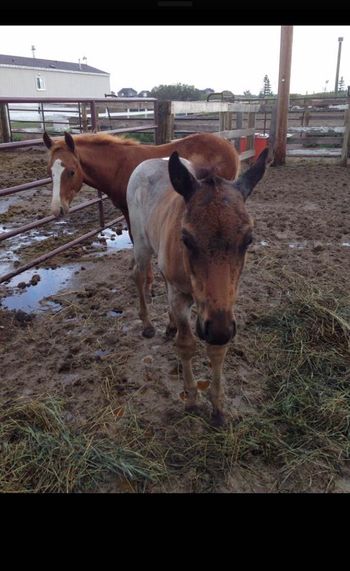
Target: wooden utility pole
[283, 95]
[336, 86]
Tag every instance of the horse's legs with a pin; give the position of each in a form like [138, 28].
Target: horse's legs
[171, 327]
[149, 271]
[216, 354]
[180, 310]
[149, 280]
[142, 263]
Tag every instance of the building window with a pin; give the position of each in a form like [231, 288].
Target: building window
[40, 83]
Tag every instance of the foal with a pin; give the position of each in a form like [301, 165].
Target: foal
[197, 225]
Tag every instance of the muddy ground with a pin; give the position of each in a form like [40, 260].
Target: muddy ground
[86, 346]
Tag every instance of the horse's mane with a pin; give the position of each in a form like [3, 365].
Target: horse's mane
[98, 139]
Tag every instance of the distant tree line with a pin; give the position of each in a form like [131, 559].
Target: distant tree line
[179, 92]
[184, 92]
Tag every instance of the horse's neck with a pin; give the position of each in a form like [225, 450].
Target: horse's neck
[99, 164]
[158, 151]
[108, 168]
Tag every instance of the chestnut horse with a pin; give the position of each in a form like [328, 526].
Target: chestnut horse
[106, 162]
[197, 225]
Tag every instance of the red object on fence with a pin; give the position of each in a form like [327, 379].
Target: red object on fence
[260, 143]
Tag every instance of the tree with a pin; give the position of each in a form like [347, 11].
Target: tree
[341, 84]
[266, 90]
[178, 92]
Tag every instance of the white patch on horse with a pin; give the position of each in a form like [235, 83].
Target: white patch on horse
[57, 170]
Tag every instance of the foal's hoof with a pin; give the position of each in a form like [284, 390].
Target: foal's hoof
[217, 419]
[192, 409]
[149, 331]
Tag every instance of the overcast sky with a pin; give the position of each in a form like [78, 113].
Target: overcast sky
[221, 57]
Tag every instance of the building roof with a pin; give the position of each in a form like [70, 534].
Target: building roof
[129, 90]
[49, 64]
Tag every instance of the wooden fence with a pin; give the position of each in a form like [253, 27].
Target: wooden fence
[222, 118]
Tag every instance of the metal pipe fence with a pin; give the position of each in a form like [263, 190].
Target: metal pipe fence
[87, 122]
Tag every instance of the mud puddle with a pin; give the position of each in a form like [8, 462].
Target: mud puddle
[113, 241]
[31, 288]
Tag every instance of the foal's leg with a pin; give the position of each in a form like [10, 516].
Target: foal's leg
[216, 354]
[180, 310]
[149, 280]
[150, 276]
[171, 327]
[142, 263]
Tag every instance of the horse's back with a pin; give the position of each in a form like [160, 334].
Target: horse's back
[146, 183]
[152, 204]
[212, 152]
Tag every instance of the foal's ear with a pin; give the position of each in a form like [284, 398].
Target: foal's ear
[47, 140]
[248, 180]
[69, 141]
[182, 180]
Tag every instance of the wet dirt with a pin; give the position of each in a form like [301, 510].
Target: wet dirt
[91, 336]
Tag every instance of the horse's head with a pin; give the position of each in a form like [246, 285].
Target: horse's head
[216, 232]
[66, 172]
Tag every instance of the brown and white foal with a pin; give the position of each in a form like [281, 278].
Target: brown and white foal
[197, 225]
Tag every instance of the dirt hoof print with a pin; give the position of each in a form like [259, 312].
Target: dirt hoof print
[149, 332]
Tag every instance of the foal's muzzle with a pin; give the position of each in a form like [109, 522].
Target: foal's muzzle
[218, 330]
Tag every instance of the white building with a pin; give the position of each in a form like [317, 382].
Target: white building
[34, 77]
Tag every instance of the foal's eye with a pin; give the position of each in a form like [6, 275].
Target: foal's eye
[71, 173]
[189, 242]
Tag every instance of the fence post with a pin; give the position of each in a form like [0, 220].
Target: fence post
[165, 122]
[273, 123]
[239, 125]
[283, 95]
[5, 133]
[94, 117]
[84, 118]
[346, 140]
[225, 120]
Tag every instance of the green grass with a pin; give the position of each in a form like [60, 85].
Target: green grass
[301, 428]
[40, 453]
[304, 351]
[298, 435]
